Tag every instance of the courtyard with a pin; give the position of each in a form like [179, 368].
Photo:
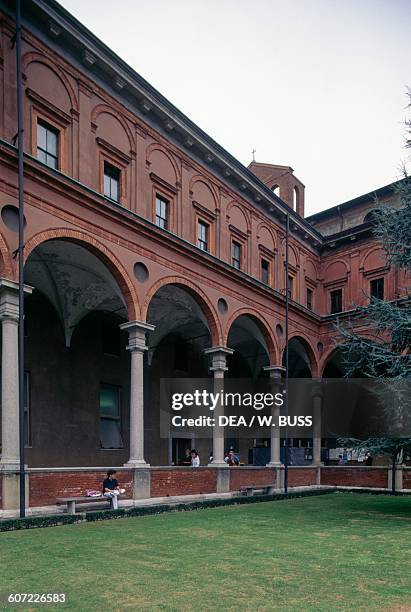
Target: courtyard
[342, 551]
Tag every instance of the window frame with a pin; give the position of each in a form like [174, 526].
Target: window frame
[49, 129]
[206, 225]
[268, 271]
[161, 198]
[309, 302]
[107, 417]
[237, 243]
[207, 217]
[376, 280]
[291, 287]
[331, 292]
[112, 178]
[41, 110]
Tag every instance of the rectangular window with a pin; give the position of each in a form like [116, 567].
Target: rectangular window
[161, 212]
[27, 423]
[336, 301]
[47, 144]
[265, 271]
[202, 235]
[110, 425]
[111, 182]
[309, 299]
[290, 287]
[377, 288]
[236, 255]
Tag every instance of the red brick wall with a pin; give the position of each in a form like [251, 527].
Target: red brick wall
[188, 481]
[46, 486]
[406, 479]
[302, 477]
[240, 477]
[354, 477]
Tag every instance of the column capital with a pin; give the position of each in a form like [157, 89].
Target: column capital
[137, 334]
[9, 299]
[275, 371]
[218, 356]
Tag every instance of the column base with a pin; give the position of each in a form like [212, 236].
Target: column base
[141, 483]
[218, 464]
[11, 465]
[10, 484]
[136, 463]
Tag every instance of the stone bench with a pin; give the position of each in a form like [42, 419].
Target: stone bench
[249, 489]
[71, 502]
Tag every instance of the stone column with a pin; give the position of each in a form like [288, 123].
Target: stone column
[275, 372]
[9, 316]
[10, 426]
[317, 395]
[137, 346]
[218, 367]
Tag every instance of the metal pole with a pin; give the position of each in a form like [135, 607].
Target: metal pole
[21, 256]
[287, 289]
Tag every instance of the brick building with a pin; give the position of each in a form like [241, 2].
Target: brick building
[150, 252]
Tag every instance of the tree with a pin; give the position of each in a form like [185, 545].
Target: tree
[386, 351]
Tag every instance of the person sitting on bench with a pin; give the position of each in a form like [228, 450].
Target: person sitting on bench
[111, 488]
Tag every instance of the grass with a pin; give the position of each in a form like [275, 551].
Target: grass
[335, 552]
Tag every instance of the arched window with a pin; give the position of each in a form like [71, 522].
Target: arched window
[371, 216]
[296, 196]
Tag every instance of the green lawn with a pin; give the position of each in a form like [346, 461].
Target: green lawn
[334, 552]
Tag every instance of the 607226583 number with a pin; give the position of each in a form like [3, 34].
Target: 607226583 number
[45, 598]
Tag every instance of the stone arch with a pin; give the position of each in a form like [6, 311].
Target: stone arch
[326, 358]
[109, 110]
[264, 327]
[101, 252]
[377, 254]
[242, 209]
[155, 146]
[198, 178]
[311, 353]
[310, 269]
[265, 226]
[34, 56]
[6, 266]
[371, 215]
[197, 294]
[293, 254]
[337, 267]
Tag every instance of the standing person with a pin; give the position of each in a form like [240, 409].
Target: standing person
[186, 460]
[195, 458]
[345, 456]
[111, 489]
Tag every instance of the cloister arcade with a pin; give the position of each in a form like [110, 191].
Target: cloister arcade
[88, 357]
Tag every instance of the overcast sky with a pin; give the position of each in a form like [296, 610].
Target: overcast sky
[319, 85]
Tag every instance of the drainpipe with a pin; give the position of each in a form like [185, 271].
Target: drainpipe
[20, 256]
[287, 288]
